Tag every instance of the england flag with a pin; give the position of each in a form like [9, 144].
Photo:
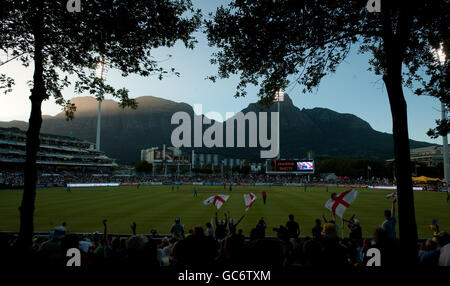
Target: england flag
[339, 203]
[216, 201]
[249, 199]
[392, 195]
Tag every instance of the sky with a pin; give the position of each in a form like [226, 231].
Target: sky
[352, 89]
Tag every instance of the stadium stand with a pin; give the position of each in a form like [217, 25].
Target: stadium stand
[58, 157]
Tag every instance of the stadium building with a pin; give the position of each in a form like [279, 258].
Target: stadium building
[430, 156]
[174, 156]
[56, 153]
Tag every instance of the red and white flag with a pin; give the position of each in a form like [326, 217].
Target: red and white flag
[216, 201]
[249, 199]
[339, 203]
[392, 195]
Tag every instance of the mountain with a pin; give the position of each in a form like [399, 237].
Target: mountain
[125, 132]
[329, 134]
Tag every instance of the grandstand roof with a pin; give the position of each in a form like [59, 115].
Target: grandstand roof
[53, 136]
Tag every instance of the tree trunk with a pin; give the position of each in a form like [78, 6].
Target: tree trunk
[406, 214]
[394, 46]
[38, 94]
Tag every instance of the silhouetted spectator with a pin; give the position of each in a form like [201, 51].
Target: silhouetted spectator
[293, 228]
[317, 230]
[209, 229]
[52, 247]
[333, 253]
[390, 222]
[221, 227]
[177, 229]
[261, 226]
[197, 250]
[429, 254]
[443, 242]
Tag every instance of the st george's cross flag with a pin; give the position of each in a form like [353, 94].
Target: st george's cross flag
[217, 200]
[392, 195]
[249, 199]
[339, 203]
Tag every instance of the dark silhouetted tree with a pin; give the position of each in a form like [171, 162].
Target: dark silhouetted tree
[143, 167]
[271, 43]
[65, 47]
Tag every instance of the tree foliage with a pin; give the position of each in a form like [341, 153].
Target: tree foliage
[121, 33]
[274, 43]
[143, 167]
[65, 48]
[354, 168]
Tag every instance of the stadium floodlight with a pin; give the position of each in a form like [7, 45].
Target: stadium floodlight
[279, 96]
[100, 72]
[440, 57]
[101, 69]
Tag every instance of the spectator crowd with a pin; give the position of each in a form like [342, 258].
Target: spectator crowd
[15, 179]
[222, 244]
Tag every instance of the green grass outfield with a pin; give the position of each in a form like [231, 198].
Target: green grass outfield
[156, 207]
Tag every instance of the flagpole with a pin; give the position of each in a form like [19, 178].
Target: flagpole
[342, 219]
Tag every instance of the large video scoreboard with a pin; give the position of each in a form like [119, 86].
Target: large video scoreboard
[290, 166]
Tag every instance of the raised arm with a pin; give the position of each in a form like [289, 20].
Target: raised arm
[226, 220]
[133, 227]
[393, 207]
[324, 218]
[105, 229]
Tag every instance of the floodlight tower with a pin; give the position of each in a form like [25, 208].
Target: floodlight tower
[279, 96]
[100, 72]
[440, 58]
